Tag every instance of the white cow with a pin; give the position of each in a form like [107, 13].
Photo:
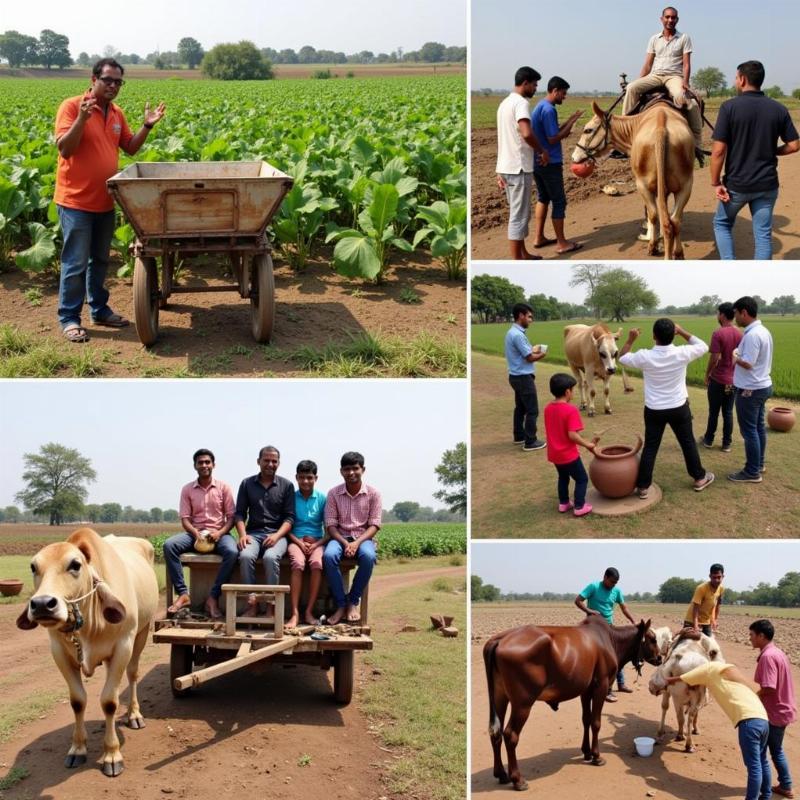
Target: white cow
[591, 352]
[96, 597]
[688, 650]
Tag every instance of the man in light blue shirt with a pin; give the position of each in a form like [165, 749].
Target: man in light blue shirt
[600, 597]
[753, 386]
[520, 358]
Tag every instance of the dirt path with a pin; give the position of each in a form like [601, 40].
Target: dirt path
[549, 750]
[608, 226]
[246, 733]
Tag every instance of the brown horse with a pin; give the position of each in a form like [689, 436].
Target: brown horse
[661, 148]
[554, 664]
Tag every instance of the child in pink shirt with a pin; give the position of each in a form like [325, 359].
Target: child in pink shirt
[562, 421]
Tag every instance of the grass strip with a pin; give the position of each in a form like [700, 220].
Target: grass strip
[27, 709]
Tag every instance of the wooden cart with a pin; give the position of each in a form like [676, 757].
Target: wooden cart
[190, 208]
[222, 647]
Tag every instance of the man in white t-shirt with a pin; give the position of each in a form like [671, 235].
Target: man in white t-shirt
[666, 401]
[668, 63]
[516, 143]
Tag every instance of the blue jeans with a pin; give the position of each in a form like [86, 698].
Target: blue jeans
[84, 262]
[182, 543]
[750, 411]
[576, 471]
[775, 747]
[761, 205]
[365, 557]
[271, 558]
[753, 734]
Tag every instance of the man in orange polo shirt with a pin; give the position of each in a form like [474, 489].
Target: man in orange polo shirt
[90, 129]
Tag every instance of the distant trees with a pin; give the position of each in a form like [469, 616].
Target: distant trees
[53, 49]
[481, 592]
[405, 510]
[430, 52]
[677, 590]
[620, 293]
[18, 49]
[452, 474]
[190, 52]
[493, 297]
[774, 92]
[785, 304]
[709, 79]
[236, 62]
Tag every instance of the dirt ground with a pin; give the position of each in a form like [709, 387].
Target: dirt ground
[607, 226]
[549, 750]
[245, 733]
[208, 334]
[522, 503]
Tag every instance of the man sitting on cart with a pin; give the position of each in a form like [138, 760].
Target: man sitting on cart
[307, 541]
[206, 509]
[265, 502]
[352, 518]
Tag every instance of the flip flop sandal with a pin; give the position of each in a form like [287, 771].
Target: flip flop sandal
[574, 248]
[177, 605]
[112, 321]
[75, 334]
[545, 243]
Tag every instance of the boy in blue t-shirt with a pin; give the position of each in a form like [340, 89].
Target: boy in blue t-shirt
[600, 597]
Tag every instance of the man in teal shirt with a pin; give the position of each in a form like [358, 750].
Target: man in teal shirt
[599, 597]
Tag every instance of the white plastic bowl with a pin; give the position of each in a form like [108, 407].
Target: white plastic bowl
[644, 745]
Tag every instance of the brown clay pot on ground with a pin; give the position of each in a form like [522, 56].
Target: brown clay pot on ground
[10, 587]
[780, 418]
[614, 468]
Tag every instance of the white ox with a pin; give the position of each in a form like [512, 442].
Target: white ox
[689, 650]
[96, 597]
[591, 352]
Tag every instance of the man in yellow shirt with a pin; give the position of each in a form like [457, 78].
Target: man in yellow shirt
[703, 612]
[737, 697]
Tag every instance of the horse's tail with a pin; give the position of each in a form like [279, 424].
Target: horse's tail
[667, 230]
[489, 651]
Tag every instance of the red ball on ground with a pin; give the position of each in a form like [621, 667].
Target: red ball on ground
[583, 169]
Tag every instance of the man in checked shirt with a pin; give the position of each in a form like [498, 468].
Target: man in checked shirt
[352, 518]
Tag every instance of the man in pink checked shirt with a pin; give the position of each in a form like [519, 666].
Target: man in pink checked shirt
[352, 518]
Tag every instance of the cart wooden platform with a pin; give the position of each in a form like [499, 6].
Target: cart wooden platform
[224, 646]
[180, 209]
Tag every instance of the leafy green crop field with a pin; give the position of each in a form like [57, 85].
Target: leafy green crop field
[785, 334]
[351, 145]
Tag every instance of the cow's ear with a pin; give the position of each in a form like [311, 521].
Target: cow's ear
[25, 624]
[618, 333]
[113, 610]
[598, 112]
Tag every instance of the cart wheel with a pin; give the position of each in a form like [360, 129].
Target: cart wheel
[343, 676]
[145, 299]
[262, 297]
[180, 663]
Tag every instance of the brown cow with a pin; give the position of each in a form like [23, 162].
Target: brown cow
[591, 352]
[554, 664]
[661, 148]
[96, 597]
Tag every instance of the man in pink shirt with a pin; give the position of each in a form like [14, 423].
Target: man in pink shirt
[774, 676]
[719, 378]
[206, 508]
[352, 518]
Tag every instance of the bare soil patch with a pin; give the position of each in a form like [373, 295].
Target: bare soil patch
[549, 748]
[607, 226]
[276, 730]
[208, 334]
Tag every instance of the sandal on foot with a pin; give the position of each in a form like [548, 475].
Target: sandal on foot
[112, 321]
[545, 243]
[574, 246]
[75, 334]
[183, 601]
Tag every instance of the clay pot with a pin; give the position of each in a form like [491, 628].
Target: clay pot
[582, 169]
[614, 469]
[780, 418]
[11, 587]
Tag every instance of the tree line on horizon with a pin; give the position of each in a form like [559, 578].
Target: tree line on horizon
[785, 594]
[611, 292]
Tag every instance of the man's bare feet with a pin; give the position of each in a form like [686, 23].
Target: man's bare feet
[252, 607]
[336, 617]
[183, 601]
[212, 607]
[292, 621]
[309, 618]
[353, 614]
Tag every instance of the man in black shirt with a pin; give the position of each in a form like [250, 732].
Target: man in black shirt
[266, 502]
[746, 143]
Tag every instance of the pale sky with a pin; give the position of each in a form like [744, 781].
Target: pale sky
[140, 435]
[680, 283]
[589, 43]
[643, 566]
[143, 27]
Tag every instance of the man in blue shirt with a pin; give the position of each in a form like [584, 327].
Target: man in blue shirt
[550, 177]
[520, 358]
[599, 597]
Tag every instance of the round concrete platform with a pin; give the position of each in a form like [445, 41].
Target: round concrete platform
[606, 507]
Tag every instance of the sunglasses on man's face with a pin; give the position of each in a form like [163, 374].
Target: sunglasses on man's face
[111, 81]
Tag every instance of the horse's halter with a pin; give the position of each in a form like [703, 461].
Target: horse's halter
[591, 152]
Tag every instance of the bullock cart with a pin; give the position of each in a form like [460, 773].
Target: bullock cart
[188, 209]
[219, 647]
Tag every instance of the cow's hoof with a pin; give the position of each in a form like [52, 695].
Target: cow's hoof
[591, 413]
[113, 769]
[502, 777]
[679, 256]
[608, 411]
[688, 749]
[74, 760]
[137, 723]
[679, 738]
[598, 762]
[521, 786]
[587, 756]
[629, 390]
